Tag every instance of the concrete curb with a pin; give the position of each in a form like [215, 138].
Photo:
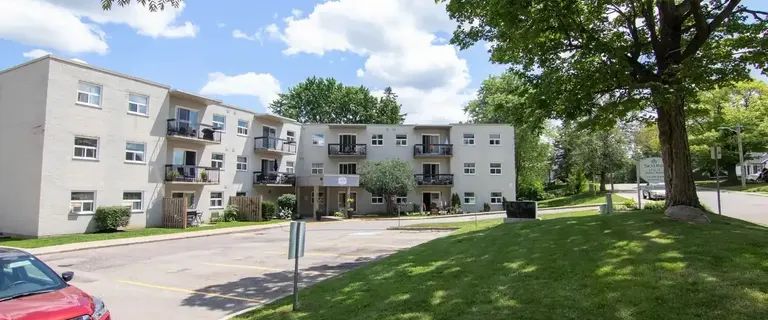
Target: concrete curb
[759, 194]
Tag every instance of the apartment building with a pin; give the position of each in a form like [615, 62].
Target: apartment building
[77, 137]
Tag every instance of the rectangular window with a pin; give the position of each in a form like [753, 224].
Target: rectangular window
[469, 198]
[495, 168]
[86, 148]
[240, 194]
[496, 198]
[318, 139]
[377, 199]
[242, 163]
[242, 127]
[401, 199]
[89, 94]
[347, 168]
[217, 160]
[401, 140]
[137, 104]
[317, 169]
[469, 168]
[320, 198]
[82, 202]
[494, 139]
[290, 167]
[290, 136]
[219, 122]
[469, 138]
[217, 199]
[134, 152]
[377, 140]
[134, 200]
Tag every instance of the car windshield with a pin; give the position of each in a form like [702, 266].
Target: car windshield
[656, 187]
[25, 275]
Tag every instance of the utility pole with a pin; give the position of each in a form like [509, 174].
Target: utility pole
[737, 129]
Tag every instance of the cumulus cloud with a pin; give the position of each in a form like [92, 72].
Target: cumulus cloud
[264, 86]
[35, 53]
[296, 13]
[239, 34]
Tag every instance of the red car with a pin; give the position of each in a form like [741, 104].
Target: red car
[30, 290]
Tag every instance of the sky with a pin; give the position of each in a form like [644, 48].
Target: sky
[245, 52]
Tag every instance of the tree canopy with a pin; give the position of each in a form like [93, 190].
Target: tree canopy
[325, 100]
[388, 178]
[152, 5]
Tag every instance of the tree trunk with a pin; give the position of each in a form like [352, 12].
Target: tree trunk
[602, 181]
[673, 137]
[732, 177]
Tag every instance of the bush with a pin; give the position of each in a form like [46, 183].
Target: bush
[339, 214]
[230, 213]
[486, 207]
[111, 218]
[268, 210]
[287, 203]
[415, 207]
[655, 205]
[455, 200]
[630, 204]
[530, 192]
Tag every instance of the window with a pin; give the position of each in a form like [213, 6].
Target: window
[469, 168]
[134, 152]
[85, 148]
[317, 169]
[89, 94]
[401, 199]
[401, 140]
[377, 199]
[217, 199]
[240, 194]
[242, 163]
[496, 197]
[242, 127]
[290, 167]
[290, 136]
[320, 198]
[469, 198]
[134, 201]
[318, 139]
[469, 138]
[217, 160]
[219, 122]
[347, 168]
[82, 202]
[494, 139]
[495, 168]
[137, 104]
[377, 140]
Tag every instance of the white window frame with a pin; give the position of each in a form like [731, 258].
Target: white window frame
[317, 170]
[130, 203]
[401, 142]
[496, 199]
[467, 198]
[223, 124]
[491, 168]
[134, 153]
[469, 141]
[81, 202]
[473, 168]
[89, 104]
[494, 142]
[377, 199]
[377, 139]
[220, 162]
[220, 201]
[241, 165]
[290, 135]
[138, 105]
[347, 164]
[85, 148]
[320, 198]
[318, 139]
[242, 131]
[290, 167]
[401, 199]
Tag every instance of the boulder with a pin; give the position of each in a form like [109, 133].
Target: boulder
[687, 214]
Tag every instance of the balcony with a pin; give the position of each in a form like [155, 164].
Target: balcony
[188, 174]
[433, 179]
[273, 178]
[275, 145]
[432, 150]
[347, 150]
[193, 132]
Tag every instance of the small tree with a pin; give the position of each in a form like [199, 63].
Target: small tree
[455, 200]
[388, 178]
[287, 202]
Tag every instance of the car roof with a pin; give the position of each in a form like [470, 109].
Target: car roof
[6, 252]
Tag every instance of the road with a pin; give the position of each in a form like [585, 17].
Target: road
[748, 207]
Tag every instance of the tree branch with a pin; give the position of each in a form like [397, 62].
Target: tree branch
[703, 30]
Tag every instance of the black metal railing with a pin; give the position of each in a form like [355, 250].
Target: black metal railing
[193, 130]
[338, 149]
[275, 144]
[188, 173]
[274, 177]
[434, 179]
[432, 150]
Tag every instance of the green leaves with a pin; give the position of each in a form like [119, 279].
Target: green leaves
[387, 177]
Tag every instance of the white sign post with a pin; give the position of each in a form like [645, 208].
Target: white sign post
[652, 171]
[716, 153]
[296, 251]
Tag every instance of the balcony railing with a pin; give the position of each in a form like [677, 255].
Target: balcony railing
[275, 144]
[434, 179]
[197, 131]
[273, 177]
[348, 150]
[192, 174]
[431, 150]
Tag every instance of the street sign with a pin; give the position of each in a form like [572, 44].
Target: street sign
[651, 170]
[296, 243]
[716, 152]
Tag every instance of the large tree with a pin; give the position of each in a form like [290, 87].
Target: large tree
[596, 153]
[598, 61]
[325, 100]
[152, 5]
[388, 178]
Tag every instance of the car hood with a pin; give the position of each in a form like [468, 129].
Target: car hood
[65, 303]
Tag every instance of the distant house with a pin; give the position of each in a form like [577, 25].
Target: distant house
[755, 162]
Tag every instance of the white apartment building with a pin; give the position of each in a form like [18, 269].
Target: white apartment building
[76, 137]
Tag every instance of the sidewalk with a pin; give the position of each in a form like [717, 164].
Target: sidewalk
[549, 210]
[164, 237]
[759, 194]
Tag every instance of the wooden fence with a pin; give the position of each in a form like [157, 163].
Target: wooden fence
[175, 213]
[248, 208]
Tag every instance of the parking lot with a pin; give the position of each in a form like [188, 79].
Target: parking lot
[212, 277]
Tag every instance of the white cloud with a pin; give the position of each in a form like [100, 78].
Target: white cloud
[79, 60]
[239, 34]
[264, 86]
[35, 53]
[402, 50]
[273, 31]
[221, 25]
[296, 13]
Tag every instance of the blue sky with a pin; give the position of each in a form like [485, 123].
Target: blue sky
[245, 51]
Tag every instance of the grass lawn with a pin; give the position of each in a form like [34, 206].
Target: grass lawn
[637, 265]
[74, 238]
[751, 187]
[579, 199]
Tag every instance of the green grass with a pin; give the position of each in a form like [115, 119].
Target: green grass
[751, 187]
[75, 238]
[637, 265]
[580, 199]
[492, 222]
